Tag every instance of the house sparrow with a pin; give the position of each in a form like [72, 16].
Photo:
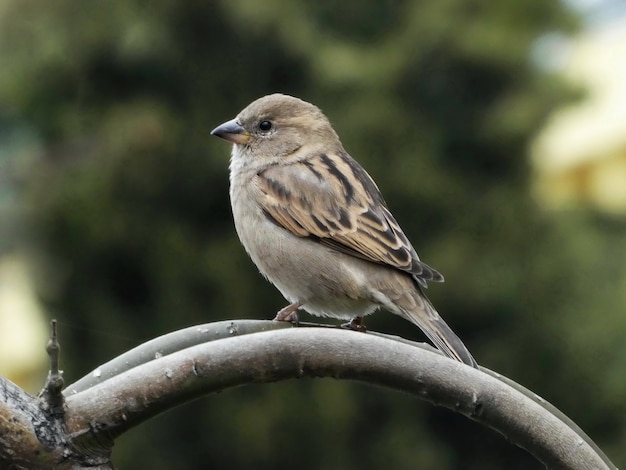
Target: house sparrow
[315, 224]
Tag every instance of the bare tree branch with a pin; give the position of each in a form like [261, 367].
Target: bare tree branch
[130, 398]
[170, 343]
[51, 395]
[32, 437]
[187, 337]
[188, 364]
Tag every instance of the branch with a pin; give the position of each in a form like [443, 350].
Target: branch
[51, 396]
[104, 411]
[187, 337]
[187, 364]
[171, 343]
[32, 429]
[33, 437]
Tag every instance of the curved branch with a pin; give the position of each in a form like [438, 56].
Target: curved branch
[108, 409]
[171, 343]
[194, 335]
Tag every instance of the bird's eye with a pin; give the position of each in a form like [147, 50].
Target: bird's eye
[265, 125]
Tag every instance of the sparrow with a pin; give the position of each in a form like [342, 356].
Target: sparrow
[316, 225]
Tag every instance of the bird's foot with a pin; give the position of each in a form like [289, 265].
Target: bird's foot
[289, 313]
[355, 324]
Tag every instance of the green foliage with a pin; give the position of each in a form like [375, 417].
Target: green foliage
[128, 201]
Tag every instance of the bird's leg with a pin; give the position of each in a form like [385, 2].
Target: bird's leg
[355, 324]
[289, 313]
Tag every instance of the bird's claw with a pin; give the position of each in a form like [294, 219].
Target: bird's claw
[355, 324]
[289, 314]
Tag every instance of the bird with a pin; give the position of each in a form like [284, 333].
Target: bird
[316, 225]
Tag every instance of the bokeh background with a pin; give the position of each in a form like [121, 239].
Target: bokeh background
[496, 131]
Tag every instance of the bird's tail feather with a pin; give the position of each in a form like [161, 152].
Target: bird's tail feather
[438, 331]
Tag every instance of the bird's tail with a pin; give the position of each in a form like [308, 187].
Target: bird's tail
[438, 331]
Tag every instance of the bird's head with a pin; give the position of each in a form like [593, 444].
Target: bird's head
[276, 126]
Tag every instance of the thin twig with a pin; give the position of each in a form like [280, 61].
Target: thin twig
[51, 396]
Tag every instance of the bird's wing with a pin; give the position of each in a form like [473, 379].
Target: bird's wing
[331, 198]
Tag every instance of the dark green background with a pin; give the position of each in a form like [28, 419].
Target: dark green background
[125, 203]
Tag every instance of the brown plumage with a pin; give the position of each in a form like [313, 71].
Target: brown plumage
[316, 225]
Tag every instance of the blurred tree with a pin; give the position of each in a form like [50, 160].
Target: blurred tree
[437, 99]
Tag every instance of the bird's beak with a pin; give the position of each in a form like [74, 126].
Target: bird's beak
[232, 131]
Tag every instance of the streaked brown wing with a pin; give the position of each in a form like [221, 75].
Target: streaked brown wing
[333, 199]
